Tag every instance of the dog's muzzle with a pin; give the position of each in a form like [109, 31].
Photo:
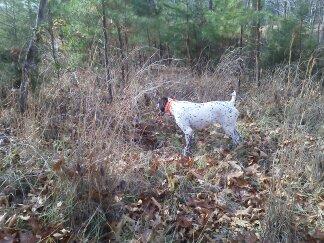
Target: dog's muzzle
[160, 112]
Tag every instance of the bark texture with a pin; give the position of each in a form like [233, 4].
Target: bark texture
[29, 68]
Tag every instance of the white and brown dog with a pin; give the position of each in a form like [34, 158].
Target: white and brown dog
[191, 116]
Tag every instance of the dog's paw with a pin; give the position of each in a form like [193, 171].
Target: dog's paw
[186, 152]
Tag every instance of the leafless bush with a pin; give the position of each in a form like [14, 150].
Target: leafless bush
[279, 222]
[73, 130]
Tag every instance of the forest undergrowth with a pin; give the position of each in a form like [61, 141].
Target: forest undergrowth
[77, 167]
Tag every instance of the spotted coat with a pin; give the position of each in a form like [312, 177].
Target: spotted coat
[191, 116]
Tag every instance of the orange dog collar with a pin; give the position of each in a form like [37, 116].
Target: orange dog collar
[168, 107]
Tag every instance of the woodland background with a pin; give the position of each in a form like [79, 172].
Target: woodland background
[85, 157]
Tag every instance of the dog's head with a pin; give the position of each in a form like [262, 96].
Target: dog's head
[161, 105]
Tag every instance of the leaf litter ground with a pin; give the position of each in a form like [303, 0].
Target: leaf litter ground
[220, 193]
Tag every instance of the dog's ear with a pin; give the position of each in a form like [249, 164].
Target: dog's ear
[162, 103]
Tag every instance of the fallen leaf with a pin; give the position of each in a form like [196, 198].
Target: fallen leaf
[172, 181]
[25, 218]
[64, 231]
[2, 219]
[235, 165]
[4, 201]
[263, 154]
[244, 212]
[241, 223]
[58, 235]
[300, 197]
[12, 221]
[154, 166]
[234, 175]
[185, 161]
[321, 205]
[184, 221]
[39, 203]
[157, 221]
[236, 179]
[224, 219]
[146, 236]
[220, 204]
[318, 234]
[156, 203]
[252, 170]
[250, 237]
[132, 209]
[254, 154]
[7, 238]
[194, 202]
[27, 237]
[193, 174]
[58, 164]
[134, 241]
[35, 225]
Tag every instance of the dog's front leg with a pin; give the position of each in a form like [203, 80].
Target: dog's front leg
[189, 141]
[238, 137]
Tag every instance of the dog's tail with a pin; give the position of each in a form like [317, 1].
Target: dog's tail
[232, 101]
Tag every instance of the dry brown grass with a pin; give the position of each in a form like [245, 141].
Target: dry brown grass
[84, 150]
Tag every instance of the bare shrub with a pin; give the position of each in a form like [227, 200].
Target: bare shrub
[278, 224]
[92, 148]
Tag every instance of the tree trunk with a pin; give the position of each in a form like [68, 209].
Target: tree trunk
[320, 32]
[126, 54]
[277, 7]
[210, 5]
[51, 32]
[29, 67]
[122, 55]
[188, 36]
[30, 13]
[257, 43]
[14, 24]
[314, 15]
[300, 37]
[241, 36]
[168, 49]
[104, 28]
[161, 47]
[148, 36]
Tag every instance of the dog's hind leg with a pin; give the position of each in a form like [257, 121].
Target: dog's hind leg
[232, 132]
